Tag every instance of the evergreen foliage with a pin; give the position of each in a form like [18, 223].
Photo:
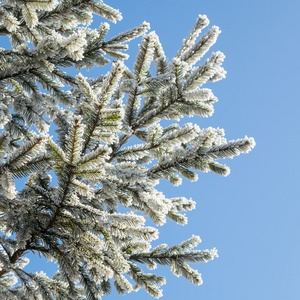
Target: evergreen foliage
[76, 222]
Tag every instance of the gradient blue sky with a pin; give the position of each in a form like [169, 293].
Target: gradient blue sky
[251, 216]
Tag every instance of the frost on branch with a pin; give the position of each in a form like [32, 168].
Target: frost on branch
[109, 150]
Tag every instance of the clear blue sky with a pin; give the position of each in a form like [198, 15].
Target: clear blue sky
[251, 216]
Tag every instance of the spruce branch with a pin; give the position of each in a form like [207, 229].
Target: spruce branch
[75, 218]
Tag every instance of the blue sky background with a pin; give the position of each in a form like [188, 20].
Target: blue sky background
[251, 216]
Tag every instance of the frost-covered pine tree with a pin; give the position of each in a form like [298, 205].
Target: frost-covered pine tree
[79, 178]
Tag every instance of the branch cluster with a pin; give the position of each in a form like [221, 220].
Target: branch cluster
[74, 218]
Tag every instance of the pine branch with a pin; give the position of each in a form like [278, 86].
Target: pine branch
[16, 255]
[75, 218]
[109, 86]
[23, 154]
[35, 164]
